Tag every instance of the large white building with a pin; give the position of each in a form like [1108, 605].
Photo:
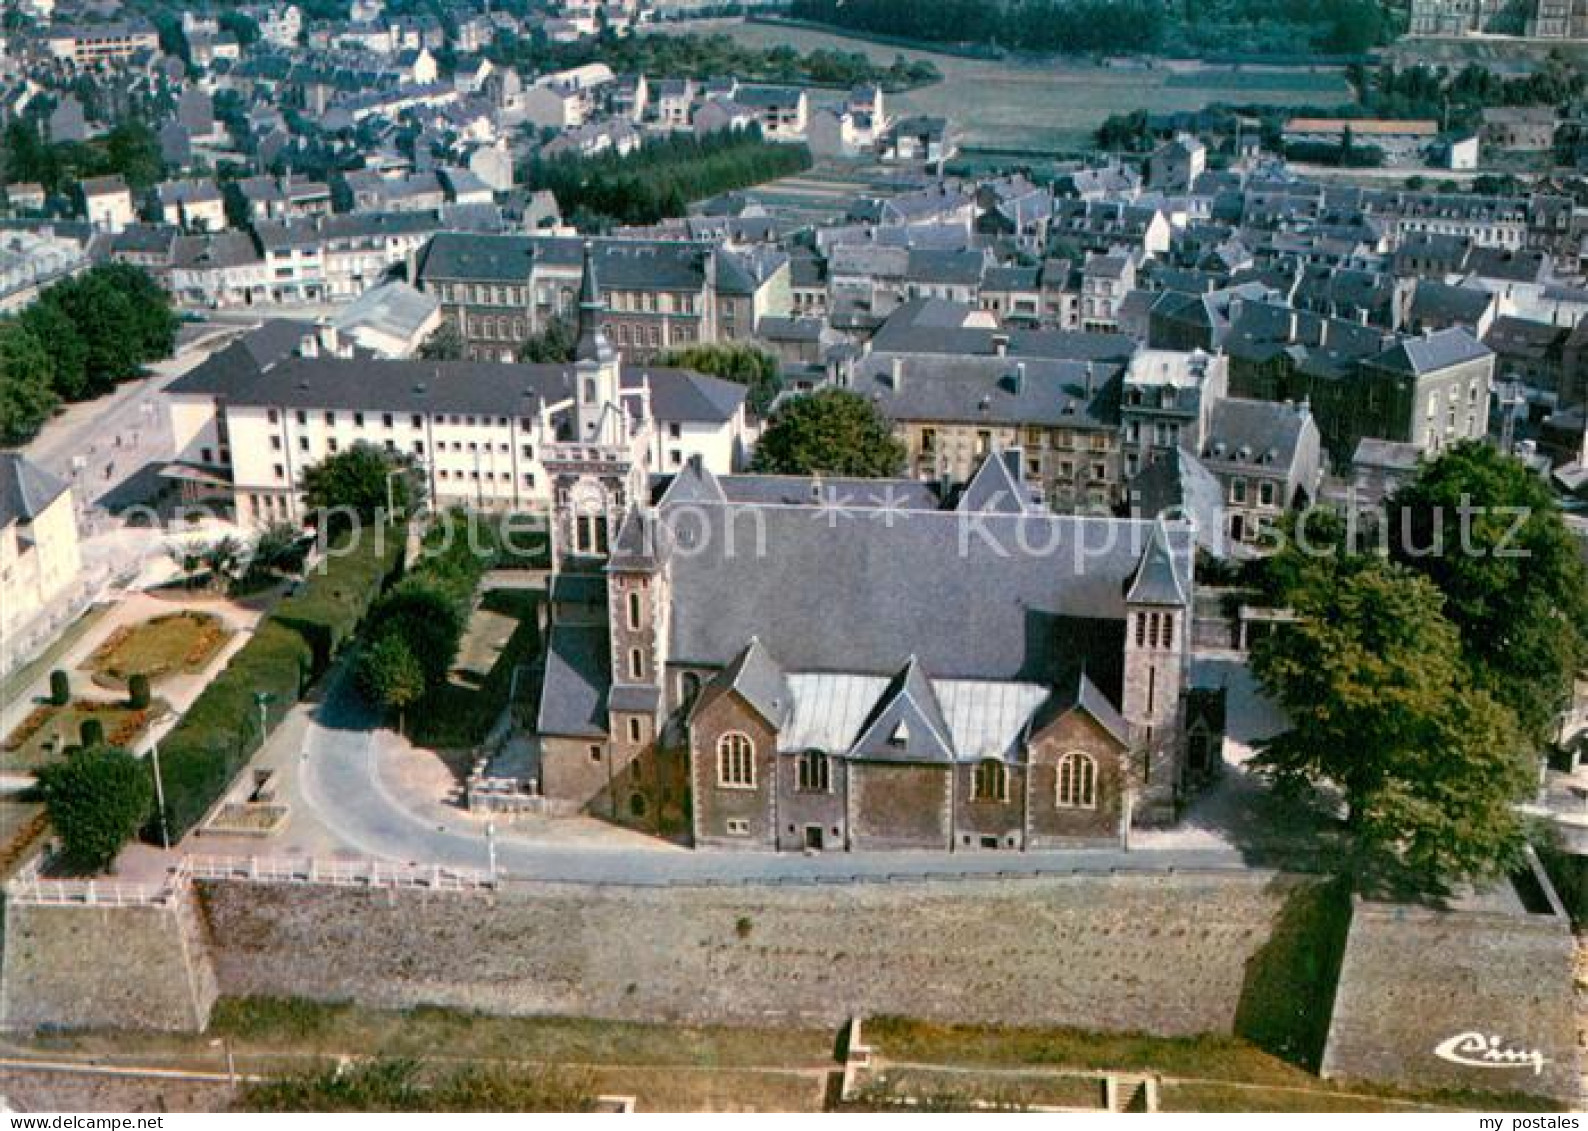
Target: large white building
[39, 558]
[250, 419]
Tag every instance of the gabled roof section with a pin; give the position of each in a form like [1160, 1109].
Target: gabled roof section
[1085, 696]
[758, 679]
[907, 724]
[998, 487]
[1156, 581]
[26, 489]
[694, 483]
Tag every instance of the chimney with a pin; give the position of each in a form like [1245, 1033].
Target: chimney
[1020, 378]
[1000, 344]
[309, 346]
[897, 374]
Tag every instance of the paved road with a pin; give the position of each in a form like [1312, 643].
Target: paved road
[346, 777]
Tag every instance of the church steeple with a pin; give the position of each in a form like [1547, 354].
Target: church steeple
[593, 345]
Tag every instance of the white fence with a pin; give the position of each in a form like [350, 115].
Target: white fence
[29, 887]
[342, 873]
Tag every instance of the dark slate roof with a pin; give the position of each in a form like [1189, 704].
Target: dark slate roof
[578, 674]
[1269, 431]
[26, 489]
[620, 264]
[919, 326]
[1179, 484]
[997, 487]
[1157, 579]
[993, 389]
[981, 597]
[1081, 694]
[679, 395]
[1432, 352]
[907, 724]
[1446, 302]
[756, 677]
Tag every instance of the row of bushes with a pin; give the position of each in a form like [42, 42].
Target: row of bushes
[290, 649]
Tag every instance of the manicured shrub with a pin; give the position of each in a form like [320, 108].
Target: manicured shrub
[92, 732]
[60, 688]
[138, 691]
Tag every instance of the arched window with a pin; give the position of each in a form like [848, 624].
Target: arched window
[991, 782]
[736, 761]
[1077, 782]
[815, 774]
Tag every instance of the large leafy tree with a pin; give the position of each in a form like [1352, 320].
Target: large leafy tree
[739, 362]
[554, 345]
[27, 395]
[428, 618]
[1383, 709]
[390, 675]
[96, 800]
[1488, 533]
[357, 481]
[832, 432]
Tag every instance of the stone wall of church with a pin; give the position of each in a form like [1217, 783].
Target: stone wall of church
[1051, 825]
[899, 805]
[718, 713]
[1166, 953]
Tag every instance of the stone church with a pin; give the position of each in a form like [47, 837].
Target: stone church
[786, 663]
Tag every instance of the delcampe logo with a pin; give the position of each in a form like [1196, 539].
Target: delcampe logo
[1475, 1050]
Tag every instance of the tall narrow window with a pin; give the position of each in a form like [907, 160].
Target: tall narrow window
[636, 664]
[736, 761]
[815, 774]
[991, 782]
[634, 611]
[1077, 782]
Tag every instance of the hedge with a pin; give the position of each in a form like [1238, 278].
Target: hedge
[203, 753]
[328, 609]
[288, 650]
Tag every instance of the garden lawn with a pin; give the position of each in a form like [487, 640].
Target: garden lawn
[161, 646]
[48, 730]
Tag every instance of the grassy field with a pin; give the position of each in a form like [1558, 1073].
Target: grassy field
[1010, 104]
[159, 646]
[715, 1068]
[1207, 1073]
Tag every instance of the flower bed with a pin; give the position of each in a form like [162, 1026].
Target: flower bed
[185, 642]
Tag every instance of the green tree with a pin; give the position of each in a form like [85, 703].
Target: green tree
[738, 362]
[356, 482]
[426, 616]
[27, 394]
[444, 344]
[1383, 709]
[390, 675]
[1488, 532]
[832, 432]
[96, 800]
[278, 548]
[54, 329]
[554, 345]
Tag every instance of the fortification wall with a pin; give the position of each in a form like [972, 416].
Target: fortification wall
[1415, 979]
[1169, 954]
[79, 966]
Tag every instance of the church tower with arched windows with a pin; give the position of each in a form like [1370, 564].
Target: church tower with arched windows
[600, 463]
[1157, 650]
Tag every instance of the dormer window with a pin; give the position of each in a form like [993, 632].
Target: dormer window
[901, 735]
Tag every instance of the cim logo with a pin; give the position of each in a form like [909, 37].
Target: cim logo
[1474, 1050]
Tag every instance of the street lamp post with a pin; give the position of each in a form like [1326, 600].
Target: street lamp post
[159, 795]
[490, 849]
[262, 700]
